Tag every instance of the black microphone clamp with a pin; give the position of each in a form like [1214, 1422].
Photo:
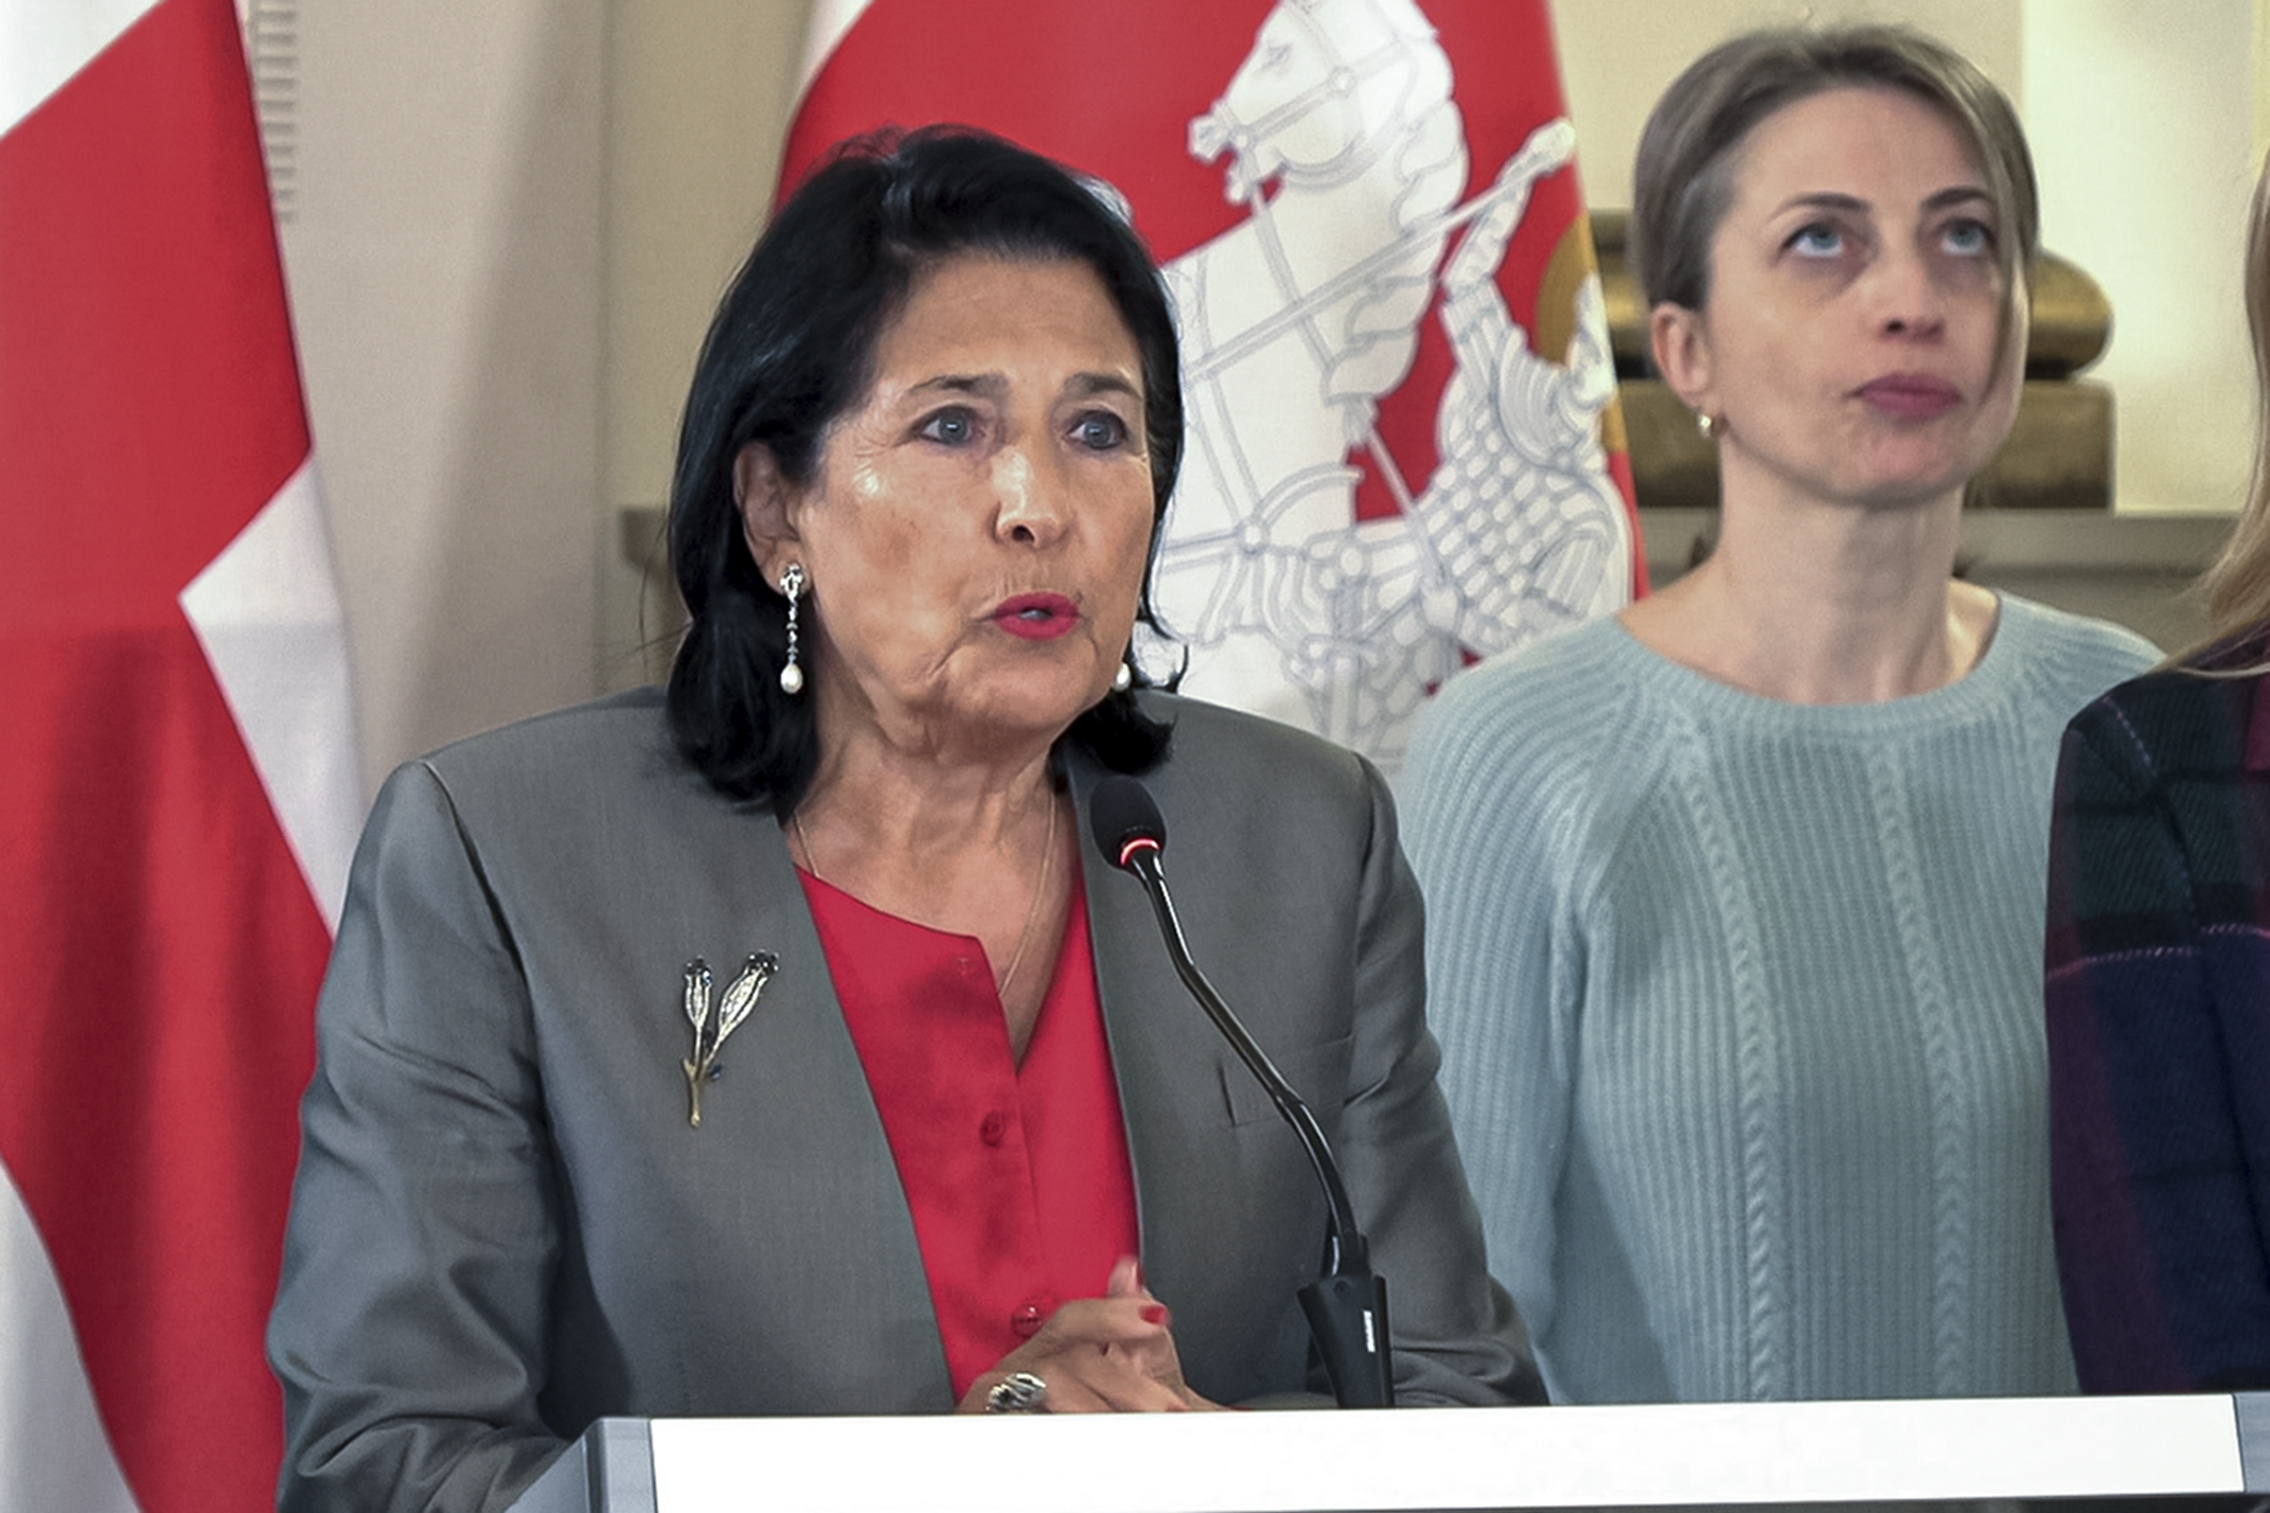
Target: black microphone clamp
[1347, 1305]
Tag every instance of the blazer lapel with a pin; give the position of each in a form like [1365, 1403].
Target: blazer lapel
[794, 1070]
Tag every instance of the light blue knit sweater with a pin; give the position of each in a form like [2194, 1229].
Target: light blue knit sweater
[1740, 1008]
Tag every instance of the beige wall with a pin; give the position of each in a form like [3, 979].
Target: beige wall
[515, 216]
[2146, 143]
[445, 271]
[699, 94]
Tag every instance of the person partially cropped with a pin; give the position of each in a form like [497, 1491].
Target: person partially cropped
[778, 1044]
[1734, 898]
[2158, 984]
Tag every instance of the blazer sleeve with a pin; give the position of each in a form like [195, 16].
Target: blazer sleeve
[409, 1329]
[2159, 1224]
[1457, 1337]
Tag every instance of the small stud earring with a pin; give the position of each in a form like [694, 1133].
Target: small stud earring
[792, 586]
[1707, 424]
[1123, 679]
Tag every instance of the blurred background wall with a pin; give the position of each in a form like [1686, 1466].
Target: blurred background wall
[505, 224]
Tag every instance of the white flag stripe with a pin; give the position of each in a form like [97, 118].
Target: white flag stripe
[267, 613]
[830, 20]
[53, 1452]
[44, 42]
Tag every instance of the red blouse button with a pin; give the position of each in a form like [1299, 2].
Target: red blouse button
[1026, 1321]
[991, 1128]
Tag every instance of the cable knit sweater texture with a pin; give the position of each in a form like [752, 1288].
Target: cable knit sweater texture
[1740, 1006]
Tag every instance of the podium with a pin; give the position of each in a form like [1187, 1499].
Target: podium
[2208, 1450]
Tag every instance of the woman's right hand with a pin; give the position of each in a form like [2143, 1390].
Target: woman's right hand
[1113, 1354]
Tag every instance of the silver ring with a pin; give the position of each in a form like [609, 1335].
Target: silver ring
[1018, 1392]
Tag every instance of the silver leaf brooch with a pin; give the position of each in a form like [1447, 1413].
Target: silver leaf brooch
[711, 1028]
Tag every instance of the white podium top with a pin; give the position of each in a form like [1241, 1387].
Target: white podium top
[1446, 1458]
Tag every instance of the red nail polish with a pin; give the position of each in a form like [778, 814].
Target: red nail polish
[1154, 1313]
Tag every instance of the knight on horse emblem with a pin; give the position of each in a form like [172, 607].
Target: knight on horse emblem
[1344, 143]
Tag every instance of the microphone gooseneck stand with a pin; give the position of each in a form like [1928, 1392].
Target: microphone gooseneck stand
[1347, 1304]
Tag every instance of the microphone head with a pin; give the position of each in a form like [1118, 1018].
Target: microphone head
[1125, 819]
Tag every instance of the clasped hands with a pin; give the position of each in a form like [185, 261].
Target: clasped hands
[1113, 1354]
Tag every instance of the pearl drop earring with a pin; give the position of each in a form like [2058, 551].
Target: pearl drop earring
[792, 586]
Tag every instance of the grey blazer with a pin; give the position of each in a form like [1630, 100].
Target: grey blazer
[503, 1225]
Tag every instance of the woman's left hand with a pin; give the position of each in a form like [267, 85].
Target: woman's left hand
[1113, 1354]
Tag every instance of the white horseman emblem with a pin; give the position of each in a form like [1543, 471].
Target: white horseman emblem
[1344, 143]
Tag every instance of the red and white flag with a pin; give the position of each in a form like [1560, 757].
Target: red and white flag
[1404, 449]
[177, 789]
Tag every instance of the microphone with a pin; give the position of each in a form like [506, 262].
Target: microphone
[1347, 1305]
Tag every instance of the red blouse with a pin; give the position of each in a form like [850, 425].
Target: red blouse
[1016, 1173]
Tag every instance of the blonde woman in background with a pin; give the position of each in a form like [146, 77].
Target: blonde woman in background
[2159, 986]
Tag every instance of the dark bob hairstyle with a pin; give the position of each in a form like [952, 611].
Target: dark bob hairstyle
[792, 349]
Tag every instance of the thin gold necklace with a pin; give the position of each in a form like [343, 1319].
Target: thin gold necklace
[1032, 910]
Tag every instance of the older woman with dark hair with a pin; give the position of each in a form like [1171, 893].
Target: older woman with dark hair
[1734, 900]
[901, 1148]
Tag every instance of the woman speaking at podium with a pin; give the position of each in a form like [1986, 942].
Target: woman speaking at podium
[776, 1045]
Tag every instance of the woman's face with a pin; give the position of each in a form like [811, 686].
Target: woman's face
[1848, 348]
[976, 534]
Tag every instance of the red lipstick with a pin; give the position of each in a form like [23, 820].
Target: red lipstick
[1036, 617]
